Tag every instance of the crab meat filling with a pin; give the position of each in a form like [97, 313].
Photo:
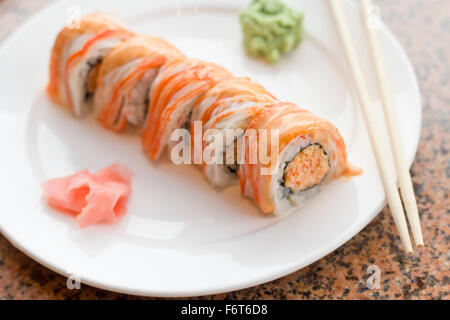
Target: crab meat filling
[307, 169]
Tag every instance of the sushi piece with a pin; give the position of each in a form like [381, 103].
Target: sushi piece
[310, 154]
[226, 112]
[125, 79]
[76, 57]
[178, 86]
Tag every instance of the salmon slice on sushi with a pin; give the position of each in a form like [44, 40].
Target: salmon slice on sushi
[178, 86]
[76, 57]
[226, 112]
[236, 89]
[309, 153]
[126, 78]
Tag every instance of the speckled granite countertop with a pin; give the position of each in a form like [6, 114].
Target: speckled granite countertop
[423, 28]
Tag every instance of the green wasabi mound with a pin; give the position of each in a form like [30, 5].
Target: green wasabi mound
[271, 29]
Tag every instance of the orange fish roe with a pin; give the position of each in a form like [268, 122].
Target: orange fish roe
[307, 169]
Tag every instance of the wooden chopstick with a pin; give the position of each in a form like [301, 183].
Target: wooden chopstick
[373, 125]
[404, 178]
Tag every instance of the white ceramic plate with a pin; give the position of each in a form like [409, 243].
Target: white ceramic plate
[181, 237]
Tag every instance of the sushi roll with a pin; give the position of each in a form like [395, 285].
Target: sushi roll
[226, 112]
[148, 83]
[76, 57]
[310, 154]
[125, 79]
[180, 83]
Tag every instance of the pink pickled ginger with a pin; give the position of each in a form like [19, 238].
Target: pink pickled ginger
[93, 198]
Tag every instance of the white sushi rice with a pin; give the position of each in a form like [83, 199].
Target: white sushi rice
[75, 45]
[135, 104]
[77, 76]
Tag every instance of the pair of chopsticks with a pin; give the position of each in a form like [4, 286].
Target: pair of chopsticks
[373, 125]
